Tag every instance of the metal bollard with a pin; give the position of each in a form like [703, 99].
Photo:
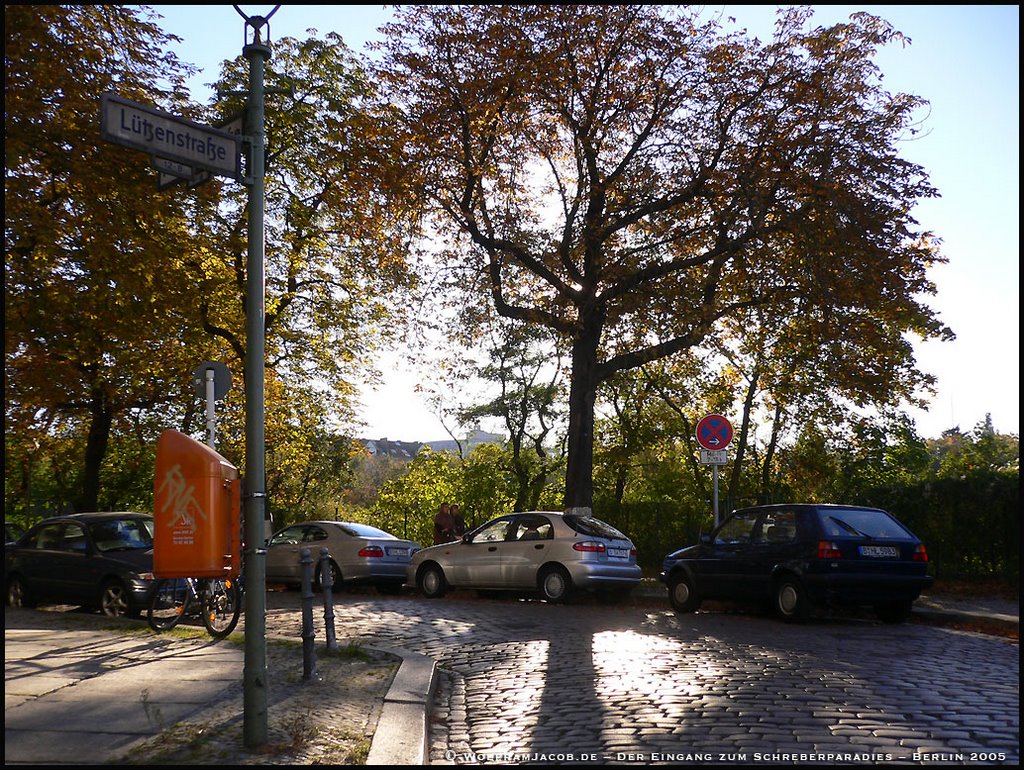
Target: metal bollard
[308, 635]
[328, 593]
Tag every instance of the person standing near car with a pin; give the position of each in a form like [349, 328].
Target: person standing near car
[458, 524]
[444, 525]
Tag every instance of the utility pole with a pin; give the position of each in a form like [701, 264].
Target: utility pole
[254, 677]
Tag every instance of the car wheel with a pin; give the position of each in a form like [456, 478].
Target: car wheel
[431, 581]
[893, 612]
[555, 584]
[791, 603]
[114, 600]
[681, 593]
[334, 576]
[17, 594]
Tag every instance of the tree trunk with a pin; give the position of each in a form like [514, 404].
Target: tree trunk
[767, 487]
[523, 480]
[579, 472]
[741, 445]
[95, 450]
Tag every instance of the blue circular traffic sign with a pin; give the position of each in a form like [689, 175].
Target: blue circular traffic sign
[714, 432]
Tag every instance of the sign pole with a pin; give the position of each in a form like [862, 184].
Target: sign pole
[211, 410]
[714, 501]
[254, 718]
[714, 433]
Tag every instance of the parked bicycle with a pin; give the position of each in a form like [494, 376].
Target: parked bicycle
[218, 601]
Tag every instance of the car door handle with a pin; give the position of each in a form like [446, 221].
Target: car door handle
[493, 548]
[539, 546]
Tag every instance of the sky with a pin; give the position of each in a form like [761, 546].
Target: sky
[963, 59]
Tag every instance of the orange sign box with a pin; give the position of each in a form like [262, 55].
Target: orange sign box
[197, 511]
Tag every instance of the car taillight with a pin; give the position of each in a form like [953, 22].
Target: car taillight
[828, 550]
[920, 553]
[371, 551]
[589, 546]
[632, 552]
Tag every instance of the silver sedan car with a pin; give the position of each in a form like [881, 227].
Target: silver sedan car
[545, 551]
[358, 553]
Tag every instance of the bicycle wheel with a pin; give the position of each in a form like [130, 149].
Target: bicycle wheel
[222, 604]
[169, 603]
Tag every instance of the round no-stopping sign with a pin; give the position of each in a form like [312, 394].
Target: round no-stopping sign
[714, 432]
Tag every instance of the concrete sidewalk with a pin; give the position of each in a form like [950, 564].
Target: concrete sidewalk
[996, 611]
[79, 691]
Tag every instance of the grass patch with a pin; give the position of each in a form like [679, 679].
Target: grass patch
[350, 651]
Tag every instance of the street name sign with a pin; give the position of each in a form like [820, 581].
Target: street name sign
[167, 136]
[172, 172]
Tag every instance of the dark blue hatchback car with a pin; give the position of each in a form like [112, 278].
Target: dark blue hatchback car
[800, 556]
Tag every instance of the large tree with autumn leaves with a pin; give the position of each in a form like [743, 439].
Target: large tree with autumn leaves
[116, 291]
[633, 178]
[96, 316]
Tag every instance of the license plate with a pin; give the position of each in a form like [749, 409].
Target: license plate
[398, 551]
[879, 551]
[620, 553]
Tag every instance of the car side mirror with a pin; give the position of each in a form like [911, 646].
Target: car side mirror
[465, 538]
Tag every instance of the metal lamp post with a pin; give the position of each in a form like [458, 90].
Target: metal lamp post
[254, 678]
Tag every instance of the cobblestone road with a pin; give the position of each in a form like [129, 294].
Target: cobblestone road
[526, 681]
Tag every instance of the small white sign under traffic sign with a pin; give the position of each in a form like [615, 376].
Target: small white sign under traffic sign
[172, 173]
[714, 457]
[167, 136]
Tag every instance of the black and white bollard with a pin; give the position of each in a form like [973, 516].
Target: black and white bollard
[327, 588]
[308, 634]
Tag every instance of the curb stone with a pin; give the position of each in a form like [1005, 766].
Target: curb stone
[401, 737]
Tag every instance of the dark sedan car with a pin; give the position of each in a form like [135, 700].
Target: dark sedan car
[800, 556]
[12, 532]
[98, 560]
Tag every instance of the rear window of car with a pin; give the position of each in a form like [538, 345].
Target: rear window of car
[860, 522]
[365, 530]
[588, 525]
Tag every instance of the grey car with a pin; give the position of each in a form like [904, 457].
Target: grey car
[358, 553]
[545, 551]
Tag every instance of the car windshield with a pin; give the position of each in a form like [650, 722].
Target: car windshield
[588, 525]
[365, 530]
[122, 534]
[860, 522]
